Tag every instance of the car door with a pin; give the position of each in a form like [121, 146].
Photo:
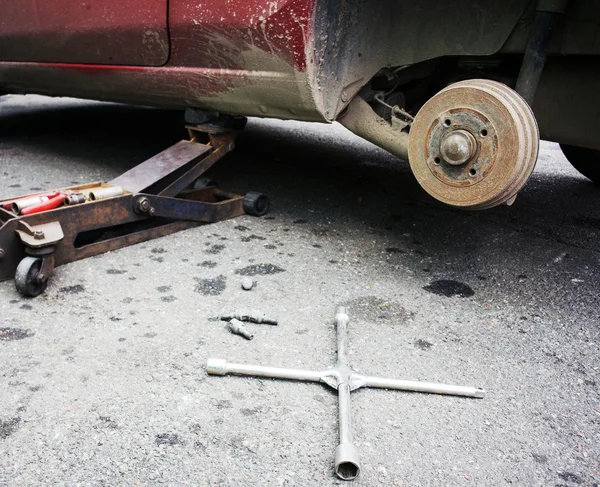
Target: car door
[121, 32]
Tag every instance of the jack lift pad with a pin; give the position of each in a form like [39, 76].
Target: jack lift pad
[160, 196]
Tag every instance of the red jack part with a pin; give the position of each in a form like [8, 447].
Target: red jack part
[7, 205]
[52, 203]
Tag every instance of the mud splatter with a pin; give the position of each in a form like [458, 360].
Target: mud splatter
[251, 411]
[8, 427]
[209, 264]
[10, 334]
[115, 271]
[168, 299]
[170, 439]
[108, 422]
[259, 270]
[270, 246]
[570, 477]
[423, 344]
[211, 287]
[77, 288]
[372, 309]
[215, 249]
[222, 404]
[27, 307]
[158, 250]
[163, 289]
[242, 228]
[252, 237]
[300, 221]
[450, 288]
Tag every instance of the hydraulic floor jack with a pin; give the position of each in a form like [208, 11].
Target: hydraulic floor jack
[345, 380]
[163, 195]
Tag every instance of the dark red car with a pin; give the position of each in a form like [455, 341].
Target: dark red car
[432, 81]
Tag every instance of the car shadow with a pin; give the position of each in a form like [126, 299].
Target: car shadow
[338, 185]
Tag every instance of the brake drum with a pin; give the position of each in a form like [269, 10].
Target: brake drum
[474, 144]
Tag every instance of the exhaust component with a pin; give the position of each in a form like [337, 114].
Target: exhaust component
[474, 144]
[345, 380]
[361, 119]
[104, 193]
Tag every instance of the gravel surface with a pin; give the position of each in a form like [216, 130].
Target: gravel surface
[102, 378]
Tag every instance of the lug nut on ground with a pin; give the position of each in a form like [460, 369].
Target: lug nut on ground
[237, 327]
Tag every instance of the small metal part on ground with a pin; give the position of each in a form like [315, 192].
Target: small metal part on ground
[238, 328]
[252, 317]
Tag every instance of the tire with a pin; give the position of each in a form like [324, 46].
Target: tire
[256, 204]
[26, 277]
[586, 161]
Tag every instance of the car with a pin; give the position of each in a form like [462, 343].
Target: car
[463, 90]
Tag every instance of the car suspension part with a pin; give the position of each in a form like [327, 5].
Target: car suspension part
[344, 379]
[473, 145]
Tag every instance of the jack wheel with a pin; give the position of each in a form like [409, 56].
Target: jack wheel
[27, 279]
[256, 204]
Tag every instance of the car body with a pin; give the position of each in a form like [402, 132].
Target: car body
[300, 59]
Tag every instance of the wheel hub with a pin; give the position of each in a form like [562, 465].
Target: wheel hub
[474, 144]
[457, 147]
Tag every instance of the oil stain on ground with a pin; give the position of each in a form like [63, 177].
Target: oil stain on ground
[10, 334]
[7, 428]
[423, 344]
[259, 270]
[168, 439]
[450, 288]
[211, 287]
[77, 288]
[252, 237]
[215, 249]
[374, 309]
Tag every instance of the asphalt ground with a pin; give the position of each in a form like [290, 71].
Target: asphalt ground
[103, 381]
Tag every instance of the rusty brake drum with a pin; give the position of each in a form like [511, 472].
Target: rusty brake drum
[474, 144]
